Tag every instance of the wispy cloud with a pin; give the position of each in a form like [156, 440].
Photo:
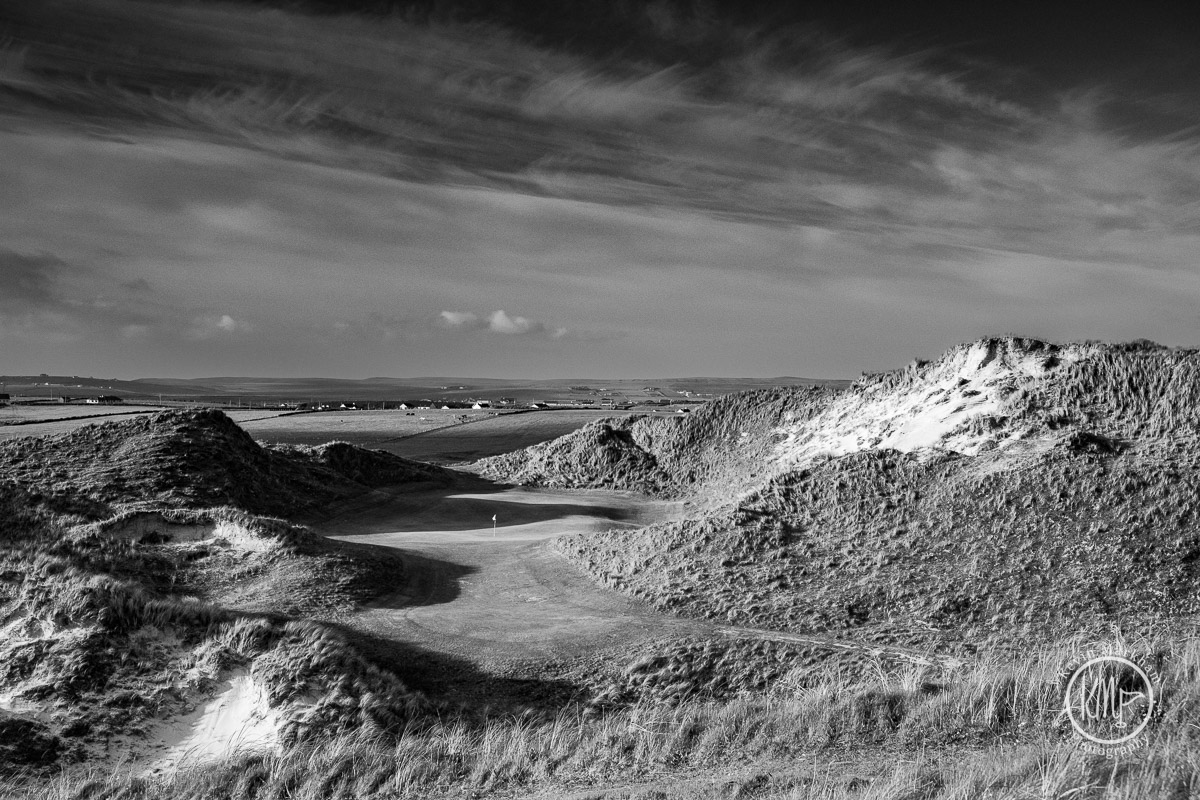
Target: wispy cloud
[776, 204]
[501, 322]
[216, 325]
[459, 319]
[29, 281]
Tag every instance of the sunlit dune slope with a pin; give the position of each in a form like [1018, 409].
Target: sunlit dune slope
[1010, 489]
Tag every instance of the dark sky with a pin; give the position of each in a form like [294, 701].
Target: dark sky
[575, 189]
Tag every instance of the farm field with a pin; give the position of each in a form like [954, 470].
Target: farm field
[18, 414]
[50, 420]
[434, 435]
[496, 435]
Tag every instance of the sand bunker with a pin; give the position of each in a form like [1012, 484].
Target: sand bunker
[154, 528]
[238, 721]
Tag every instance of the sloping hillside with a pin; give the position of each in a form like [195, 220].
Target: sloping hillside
[196, 459]
[718, 450]
[1010, 489]
[141, 588]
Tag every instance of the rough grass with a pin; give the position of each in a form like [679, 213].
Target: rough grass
[992, 729]
[935, 551]
[99, 639]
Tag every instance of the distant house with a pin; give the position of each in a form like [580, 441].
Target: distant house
[683, 411]
[403, 406]
[482, 404]
[539, 405]
[104, 400]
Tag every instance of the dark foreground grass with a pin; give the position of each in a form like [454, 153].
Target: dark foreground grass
[991, 729]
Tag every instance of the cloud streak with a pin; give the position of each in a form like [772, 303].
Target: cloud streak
[499, 322]
[29, 281]
[778, 203]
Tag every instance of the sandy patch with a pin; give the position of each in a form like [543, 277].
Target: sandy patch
[934, 411]
[237, 721]
[151, 524]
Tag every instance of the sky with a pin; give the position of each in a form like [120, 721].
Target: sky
[677, 189]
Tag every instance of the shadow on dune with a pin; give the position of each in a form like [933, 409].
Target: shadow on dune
[457, 682]
[427, 582]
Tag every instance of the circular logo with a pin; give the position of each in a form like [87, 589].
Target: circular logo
[1109, 700]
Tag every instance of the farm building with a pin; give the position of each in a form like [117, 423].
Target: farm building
[104, 400]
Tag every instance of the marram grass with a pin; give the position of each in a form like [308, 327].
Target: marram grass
[989, 729]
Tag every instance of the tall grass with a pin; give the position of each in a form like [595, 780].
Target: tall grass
[992, 729]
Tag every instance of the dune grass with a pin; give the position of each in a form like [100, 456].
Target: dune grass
[991, 729]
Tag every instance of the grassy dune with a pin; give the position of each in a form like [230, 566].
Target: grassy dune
[195, 459]
[105, 634]
[1073, 503]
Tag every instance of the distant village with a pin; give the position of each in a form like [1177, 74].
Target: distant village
[600, 398]
[500, 404]
[94, 400]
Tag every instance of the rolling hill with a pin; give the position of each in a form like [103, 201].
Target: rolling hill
[197, 459]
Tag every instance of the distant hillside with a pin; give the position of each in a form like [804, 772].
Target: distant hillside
[197, 460]
[1011, 488]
